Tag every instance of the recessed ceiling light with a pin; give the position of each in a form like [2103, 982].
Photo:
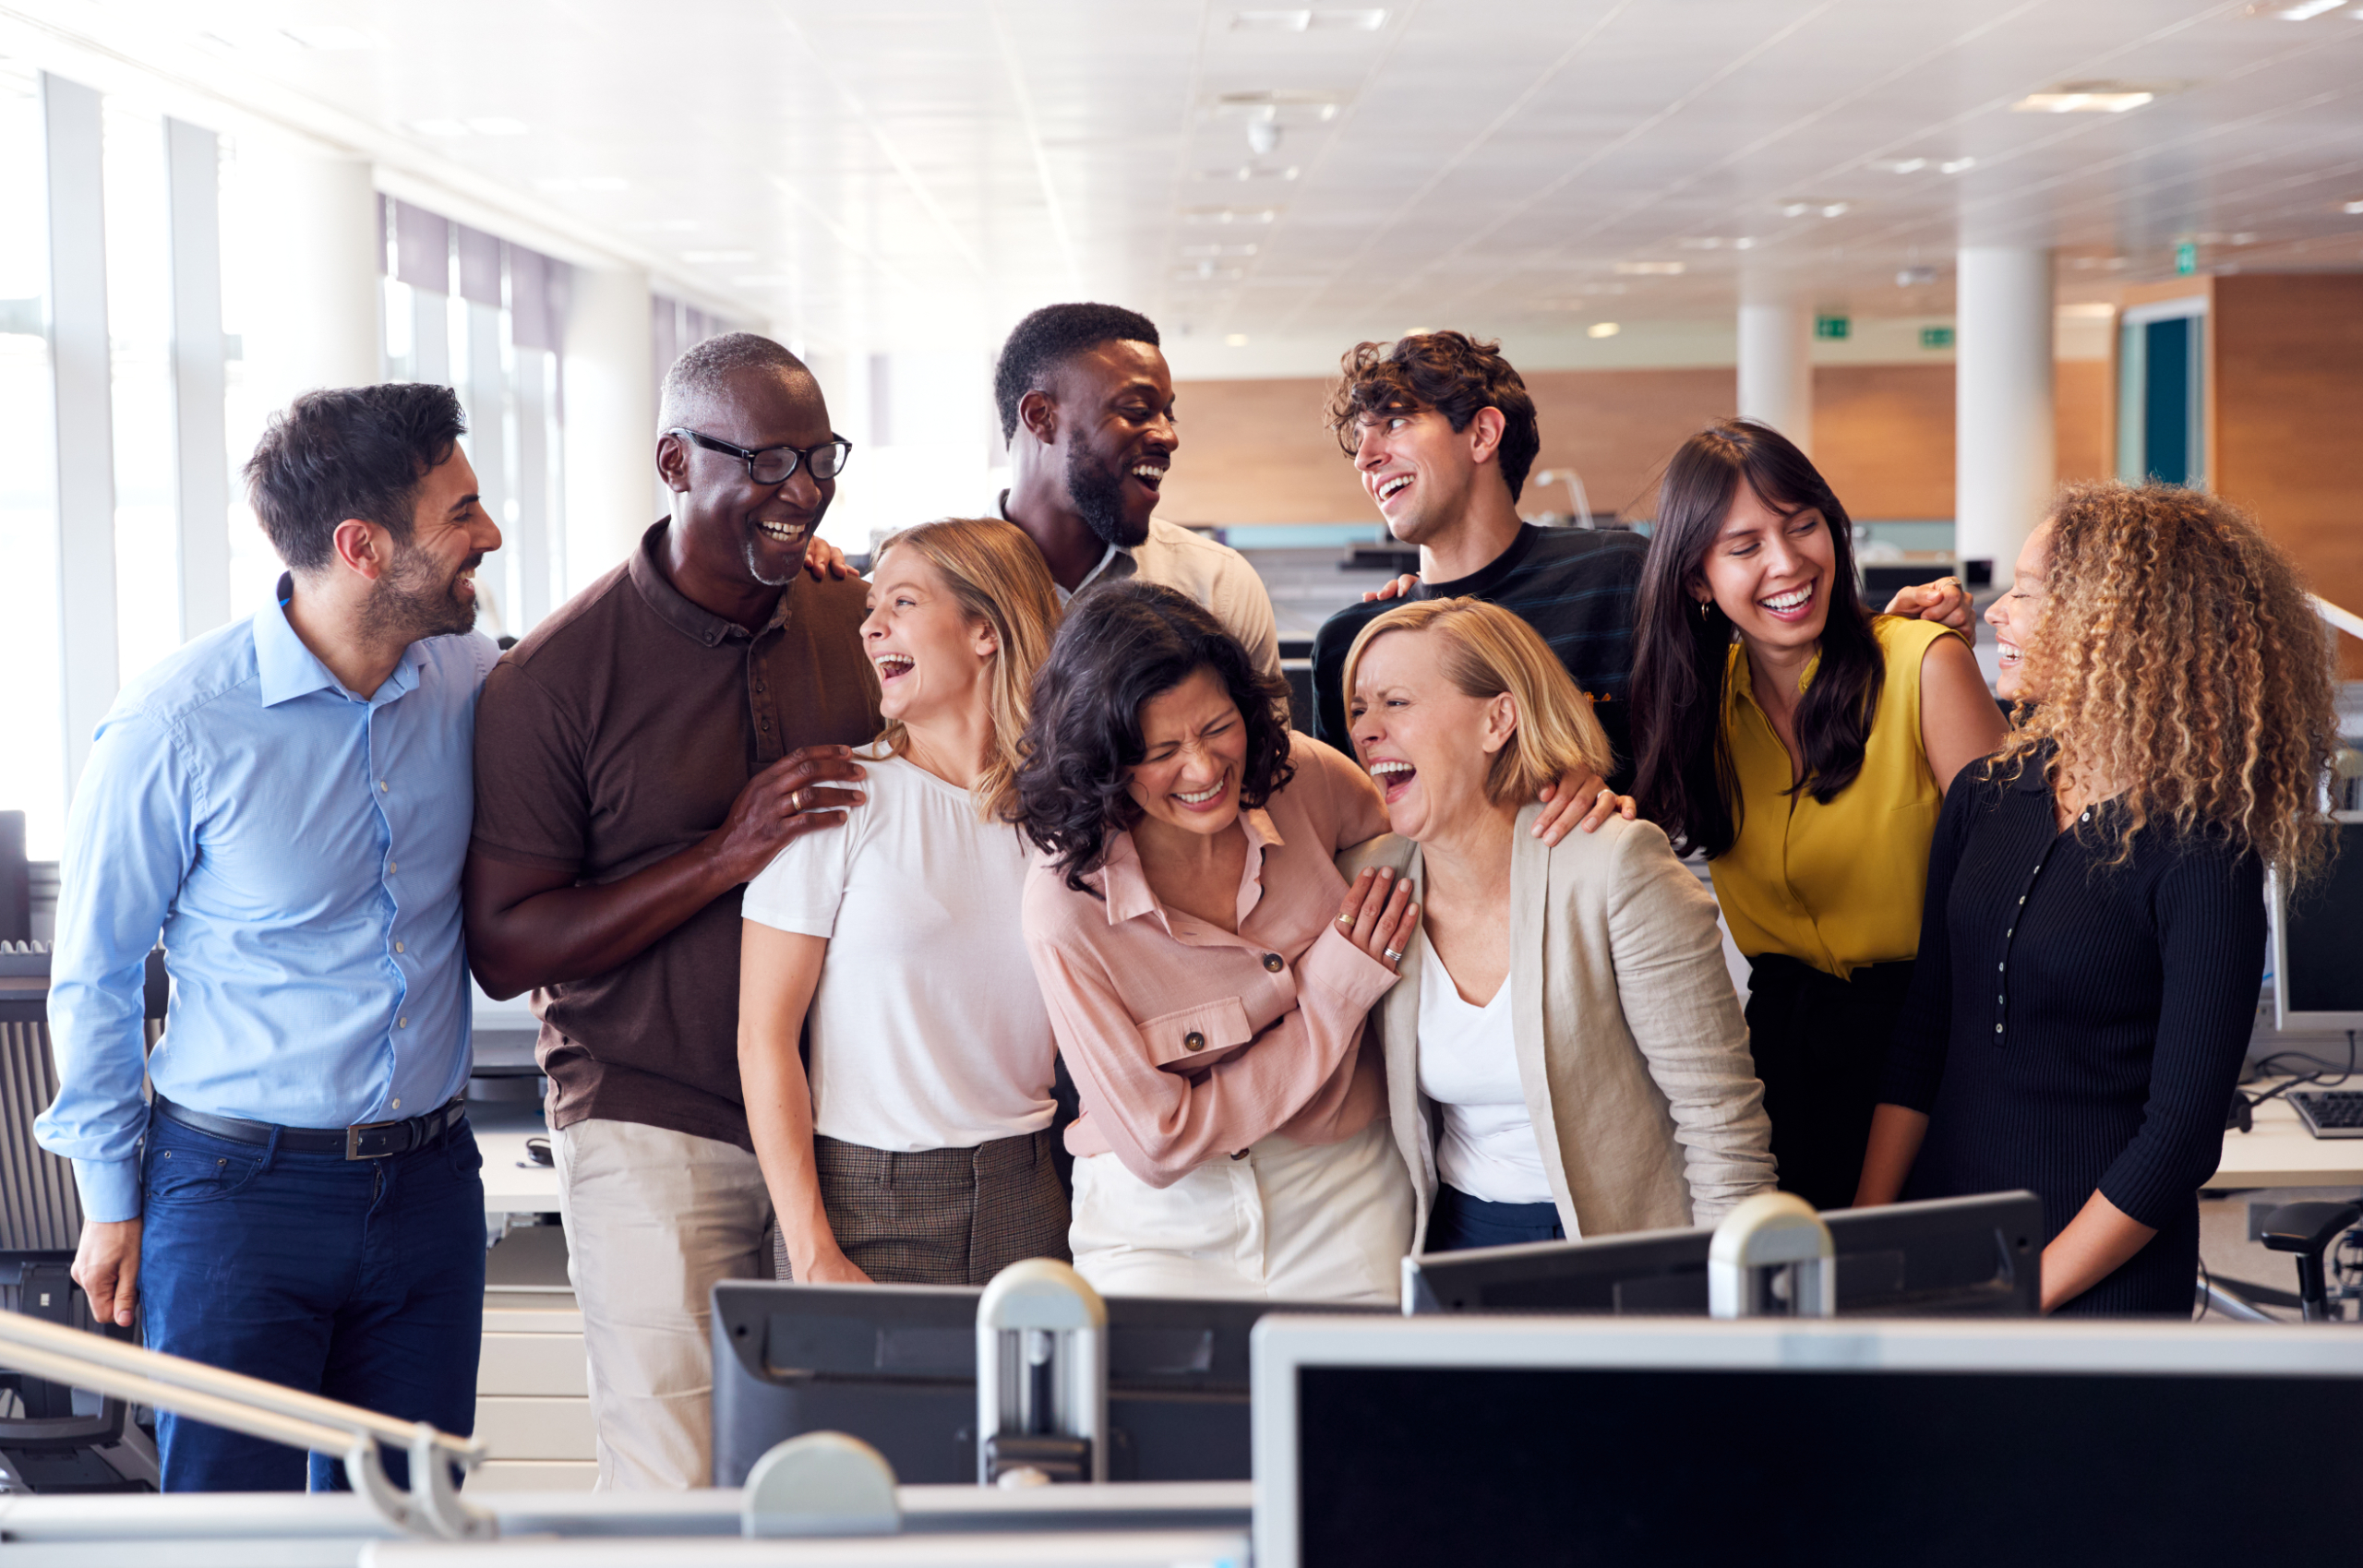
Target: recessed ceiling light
[1955, 165]
[1651, 269]
[440, 127]
[2354, 206]
[497, 126]
[330, 37]
[2293, 10]
[1251, 171]
[717, 257]
[1195, 251]
[1715, 242]
[1228, 215]
[1234, 339]
[2087, 98]
[1306, 19]
[1274, 103]
[1825, 208]
[1902, 165]
[1602, 330]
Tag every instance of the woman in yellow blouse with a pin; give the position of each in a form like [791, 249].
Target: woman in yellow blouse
[1804, 746]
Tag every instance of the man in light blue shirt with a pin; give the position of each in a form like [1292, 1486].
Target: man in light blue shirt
[287, 802]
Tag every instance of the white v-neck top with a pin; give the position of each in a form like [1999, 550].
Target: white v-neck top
[1468, 1066]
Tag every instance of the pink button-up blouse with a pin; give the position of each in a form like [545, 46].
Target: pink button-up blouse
[1188, 1043]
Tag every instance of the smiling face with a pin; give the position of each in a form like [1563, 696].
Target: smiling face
[1770, 572]
[1193, 751]
[931, 656]
[2016, 614]
[1114, 430]
[1419, 470]
[1428, 744]
[429, 587]
[736, 527]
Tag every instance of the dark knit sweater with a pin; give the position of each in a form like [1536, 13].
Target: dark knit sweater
[1577, 587]
[2077, 1027]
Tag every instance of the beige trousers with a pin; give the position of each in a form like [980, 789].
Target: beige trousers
[653, 1220]
[1287, 1222]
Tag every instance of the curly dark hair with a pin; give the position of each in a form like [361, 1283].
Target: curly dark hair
[1121, 644]
[1449, 372]
[349, 451]
[1050, 337]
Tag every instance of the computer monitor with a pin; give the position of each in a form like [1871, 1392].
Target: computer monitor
[2317, 941]
[1776, 1442]
[1949, 1257]
[896, 1366]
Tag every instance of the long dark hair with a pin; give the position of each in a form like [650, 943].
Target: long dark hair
[1685, 777]
[1121, 644]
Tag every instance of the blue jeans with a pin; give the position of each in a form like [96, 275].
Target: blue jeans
[361, 1280]
[1456, 1221]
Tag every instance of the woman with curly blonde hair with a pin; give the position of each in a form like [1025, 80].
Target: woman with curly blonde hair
[2094, 934]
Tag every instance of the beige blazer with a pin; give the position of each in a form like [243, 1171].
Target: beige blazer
[1631, 1049]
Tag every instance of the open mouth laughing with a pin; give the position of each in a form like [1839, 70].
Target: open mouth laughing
[1393, 777]
[1207, 799]
[1790, 607]
[1391, 486]
[1149, 473]
[891, 667]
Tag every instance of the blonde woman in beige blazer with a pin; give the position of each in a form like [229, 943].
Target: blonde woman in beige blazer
[1564, 1038]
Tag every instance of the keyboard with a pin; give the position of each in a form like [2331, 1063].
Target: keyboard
[2330, 1113]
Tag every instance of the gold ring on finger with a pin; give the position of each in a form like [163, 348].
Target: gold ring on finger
[796, 800]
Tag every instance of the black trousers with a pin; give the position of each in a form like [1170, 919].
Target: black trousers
[1820, 1045]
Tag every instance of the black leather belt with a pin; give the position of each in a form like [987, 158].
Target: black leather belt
[370, 1141]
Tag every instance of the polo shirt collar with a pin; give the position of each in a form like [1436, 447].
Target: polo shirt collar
[674, 608]
[1105, 567]
[287, 669]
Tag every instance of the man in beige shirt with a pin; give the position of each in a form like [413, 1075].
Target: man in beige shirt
[1086, 405]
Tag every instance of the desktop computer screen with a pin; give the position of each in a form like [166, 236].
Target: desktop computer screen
[1950, 1257]
[2317, 941]
[1632, 1441]
[897, 1366]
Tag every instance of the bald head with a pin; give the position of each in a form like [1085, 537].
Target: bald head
[701, 381]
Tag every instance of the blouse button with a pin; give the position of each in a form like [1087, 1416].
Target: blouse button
[1193, 1041]
[1275, 962]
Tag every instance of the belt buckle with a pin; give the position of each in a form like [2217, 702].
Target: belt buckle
[352, 1141]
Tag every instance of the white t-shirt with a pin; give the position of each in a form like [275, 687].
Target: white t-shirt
[927, 1028]
[1469, 1065]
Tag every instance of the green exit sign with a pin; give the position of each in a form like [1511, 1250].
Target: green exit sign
[2186, 260]
[1936, 337]
[1832, 325]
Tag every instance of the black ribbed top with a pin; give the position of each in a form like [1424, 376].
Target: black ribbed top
[2075, 1026]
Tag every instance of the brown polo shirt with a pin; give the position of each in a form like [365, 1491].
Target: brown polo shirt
[618, 735]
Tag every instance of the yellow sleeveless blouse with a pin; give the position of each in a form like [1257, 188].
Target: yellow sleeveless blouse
[1836, 886]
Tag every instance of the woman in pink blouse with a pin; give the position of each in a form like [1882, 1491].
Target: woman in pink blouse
[1209, 974]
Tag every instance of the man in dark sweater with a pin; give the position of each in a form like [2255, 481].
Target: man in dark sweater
[1441, 431]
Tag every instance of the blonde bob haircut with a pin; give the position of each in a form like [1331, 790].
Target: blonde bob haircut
[998, 577]
[1486, 651]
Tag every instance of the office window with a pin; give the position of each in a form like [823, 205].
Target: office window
[139, 332]
[32, 760]
[254, 564]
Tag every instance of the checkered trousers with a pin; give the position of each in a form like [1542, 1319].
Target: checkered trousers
[941, 1216]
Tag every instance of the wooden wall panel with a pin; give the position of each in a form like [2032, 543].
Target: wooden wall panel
[2289, 381]
[2081, 390]
[1618, 428]
[1883, 437]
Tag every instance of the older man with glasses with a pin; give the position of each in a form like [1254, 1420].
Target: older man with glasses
[639, 757]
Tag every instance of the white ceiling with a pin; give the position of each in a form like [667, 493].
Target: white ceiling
[882, 174]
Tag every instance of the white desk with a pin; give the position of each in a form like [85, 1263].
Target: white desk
[2281, 1152]
[513, 1184]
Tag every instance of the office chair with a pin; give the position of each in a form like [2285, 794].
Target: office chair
[52, 1441]
[2308, 1229]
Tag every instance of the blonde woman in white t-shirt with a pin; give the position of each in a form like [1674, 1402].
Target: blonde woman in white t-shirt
[916, 1148]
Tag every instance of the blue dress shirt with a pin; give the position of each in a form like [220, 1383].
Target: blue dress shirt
[299, 848]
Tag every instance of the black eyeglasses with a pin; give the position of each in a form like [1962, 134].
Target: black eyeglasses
[771, 465]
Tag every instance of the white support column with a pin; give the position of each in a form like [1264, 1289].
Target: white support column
[83, 387]
[530, 385]
[192, 173]
[610, 421]
[487, 399]
[319, 273]
[2005, 461]
[1776, 369]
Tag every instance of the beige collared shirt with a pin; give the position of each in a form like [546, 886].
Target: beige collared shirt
[1215, 575]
